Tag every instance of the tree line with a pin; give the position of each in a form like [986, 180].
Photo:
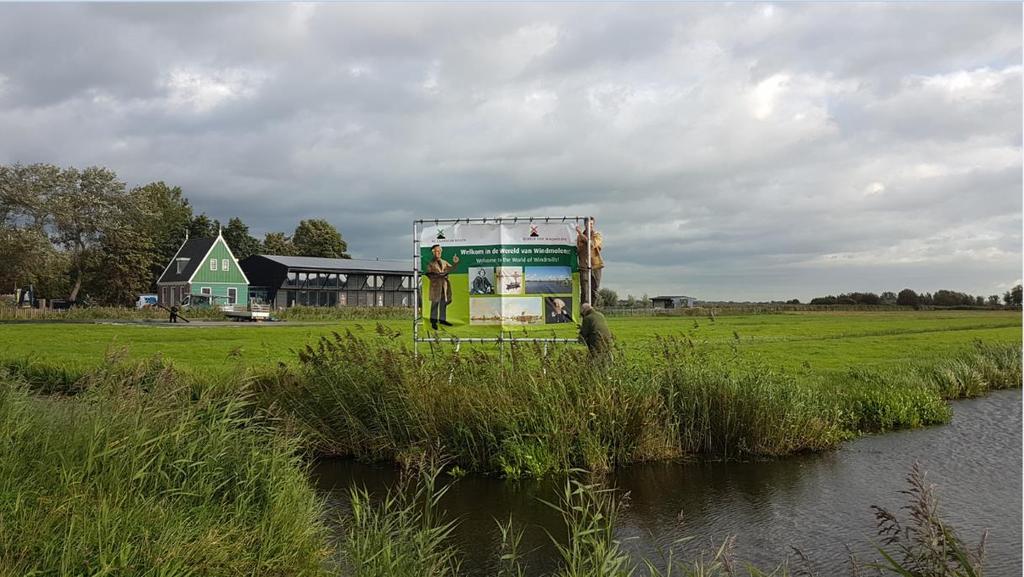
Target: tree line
[82, 235]
[909, 297]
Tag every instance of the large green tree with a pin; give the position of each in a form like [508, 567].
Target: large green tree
[317, 237]
[607, 298]
[75, 232]
[242, 244]
[84, 205]
[29, 258]
[278, 243]
[1013, 296]
[122, 267]
[26, 252]
[163, 216]
[907, 297]
[203, 226]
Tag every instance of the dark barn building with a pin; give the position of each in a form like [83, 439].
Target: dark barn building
[285, 281]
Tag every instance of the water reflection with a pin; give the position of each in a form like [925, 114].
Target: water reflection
[819, 504]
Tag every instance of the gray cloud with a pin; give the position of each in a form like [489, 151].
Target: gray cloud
[730, 151]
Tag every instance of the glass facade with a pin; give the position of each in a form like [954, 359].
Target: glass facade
[330, 289]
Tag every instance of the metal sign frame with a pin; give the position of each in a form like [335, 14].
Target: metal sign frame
[501, 338]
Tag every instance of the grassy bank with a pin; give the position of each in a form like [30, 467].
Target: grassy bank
[138, 468]
[535, 414]
[145, 473]
[365, 395]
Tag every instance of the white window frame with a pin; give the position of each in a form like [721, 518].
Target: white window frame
[224, 265]
[206, 291]
[213, 264]
[232, 295]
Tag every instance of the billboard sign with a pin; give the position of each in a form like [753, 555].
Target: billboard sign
[497, 274]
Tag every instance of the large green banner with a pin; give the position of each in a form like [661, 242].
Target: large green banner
[498, 275]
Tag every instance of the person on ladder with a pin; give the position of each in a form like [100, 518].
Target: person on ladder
[591, 263]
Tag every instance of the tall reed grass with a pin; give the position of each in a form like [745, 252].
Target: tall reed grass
[141, 474]
[530, 414]
[404, 533]
[527, 416]
[922, 544]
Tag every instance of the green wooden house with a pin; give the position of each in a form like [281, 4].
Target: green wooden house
[203, 267]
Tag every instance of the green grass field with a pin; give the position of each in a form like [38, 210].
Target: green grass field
[119, 467]
[818, 341]
[822, 341]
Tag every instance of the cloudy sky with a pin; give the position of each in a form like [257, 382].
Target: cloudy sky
[744, 151]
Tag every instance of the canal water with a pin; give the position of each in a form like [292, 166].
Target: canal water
[819, 504]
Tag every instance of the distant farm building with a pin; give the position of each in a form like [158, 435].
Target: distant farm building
[286, 281]
[673, 302]
[203, 267]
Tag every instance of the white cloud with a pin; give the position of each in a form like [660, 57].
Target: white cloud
[765, 94]
[202, 90]
[978, 84]
[874, 188]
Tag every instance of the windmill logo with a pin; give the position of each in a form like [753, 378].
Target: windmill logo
[533, 230]
[440, 234]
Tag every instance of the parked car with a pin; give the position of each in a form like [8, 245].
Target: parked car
[146, 301]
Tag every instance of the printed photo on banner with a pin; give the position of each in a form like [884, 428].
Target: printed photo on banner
[481, 280]
[557, 310]
[505, 311]
[509, 280]
[548, 280]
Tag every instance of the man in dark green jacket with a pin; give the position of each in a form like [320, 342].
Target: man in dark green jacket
[594, 331]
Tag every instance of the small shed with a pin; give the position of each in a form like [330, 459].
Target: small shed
[203, 267]
[673, 302]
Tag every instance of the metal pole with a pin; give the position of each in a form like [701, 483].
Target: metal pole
[590, 271]
[544, 360]
[416, 284]
[451, 373]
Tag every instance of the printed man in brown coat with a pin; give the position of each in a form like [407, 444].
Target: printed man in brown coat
[440, 287]
[591, 263]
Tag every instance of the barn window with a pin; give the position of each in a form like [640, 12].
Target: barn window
[213, 264]
[224, 264]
